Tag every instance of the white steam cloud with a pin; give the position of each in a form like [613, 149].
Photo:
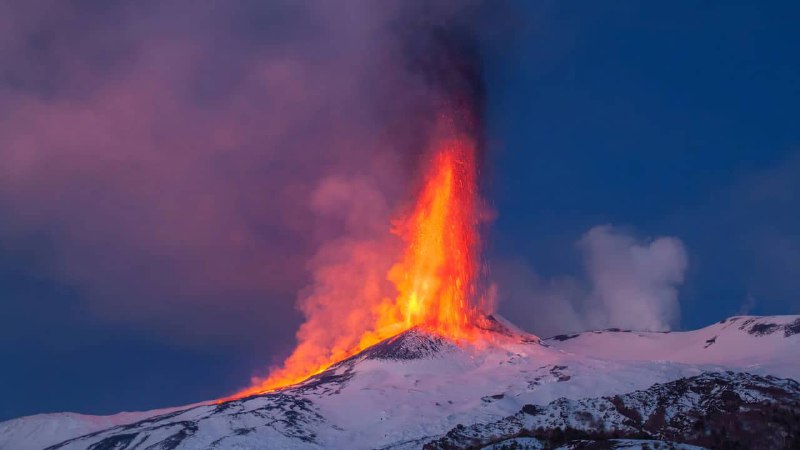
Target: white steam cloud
[628, 283]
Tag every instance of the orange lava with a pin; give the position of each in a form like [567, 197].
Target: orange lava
[435, 279]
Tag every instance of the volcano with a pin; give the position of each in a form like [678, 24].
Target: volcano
[729, 383]
[425, 365]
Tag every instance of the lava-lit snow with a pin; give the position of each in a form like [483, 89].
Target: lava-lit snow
[418, 389]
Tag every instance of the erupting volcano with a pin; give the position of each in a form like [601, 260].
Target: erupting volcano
[436, 277]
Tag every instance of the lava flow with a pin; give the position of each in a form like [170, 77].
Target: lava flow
[435, 279]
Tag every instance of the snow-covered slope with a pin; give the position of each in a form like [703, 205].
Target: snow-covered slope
[764, 413]
[42, 430]
[765, 345]
[413, 389]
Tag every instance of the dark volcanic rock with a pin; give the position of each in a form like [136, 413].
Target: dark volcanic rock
[412, 344]
[791, 329]
[763, 329]
[756, 328]
[714, 410]
[288, 414]
[564, 337]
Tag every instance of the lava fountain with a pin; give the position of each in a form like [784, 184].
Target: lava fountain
[436, 276]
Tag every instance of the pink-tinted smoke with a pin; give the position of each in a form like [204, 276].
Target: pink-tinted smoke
[193, 166]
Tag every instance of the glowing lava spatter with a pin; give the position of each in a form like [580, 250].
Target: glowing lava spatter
[435, 278]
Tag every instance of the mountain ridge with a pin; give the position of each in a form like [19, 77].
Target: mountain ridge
[414, 388]
[753, 411]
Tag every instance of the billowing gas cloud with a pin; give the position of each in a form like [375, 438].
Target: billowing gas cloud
[191, 166]
[628, 283]
[634, 284]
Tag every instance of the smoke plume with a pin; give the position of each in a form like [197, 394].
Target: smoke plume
[192, 166]
[628, 283]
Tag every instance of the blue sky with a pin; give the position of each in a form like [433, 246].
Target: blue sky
[673, 119]
[660, 119]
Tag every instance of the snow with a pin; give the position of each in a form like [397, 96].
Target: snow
[642, 444]
[522, 443]
[618, 444]
[376, 401]
[732, 343]
[41, 430]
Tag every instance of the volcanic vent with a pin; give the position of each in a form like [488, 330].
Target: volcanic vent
[423, 343]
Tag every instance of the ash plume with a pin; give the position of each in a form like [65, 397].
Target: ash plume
[201, 163]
